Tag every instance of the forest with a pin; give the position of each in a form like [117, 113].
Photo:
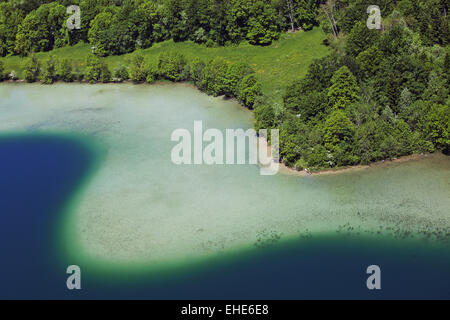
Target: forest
[120, 26]
[379, 94]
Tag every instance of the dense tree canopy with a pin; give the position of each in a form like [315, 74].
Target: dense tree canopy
[381, 93]
[42, 30]
[121, 26]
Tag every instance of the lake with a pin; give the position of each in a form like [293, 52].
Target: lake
[87, 179]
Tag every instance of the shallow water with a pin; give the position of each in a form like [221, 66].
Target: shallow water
[127, 211]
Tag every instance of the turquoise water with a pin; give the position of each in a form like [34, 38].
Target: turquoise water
[89, 181]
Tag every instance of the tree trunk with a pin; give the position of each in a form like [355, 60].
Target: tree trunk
[291, 13]
[331, 23]
[334, 21]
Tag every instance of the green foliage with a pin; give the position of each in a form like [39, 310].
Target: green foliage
[11, 18]
[145, 19]
[90, 9]
[369, 62]
[387, 94]
[117, 27]
[32, 69]
[291, 134]
[49, 70]
[306, 13]
[319, 74]
[437, 126]
[380, 94]
[214, 76]
[64, 70]
[105, 74]
[360, 39]
[42, 30]
[99, 32]
[398, 72]
[273, 76]
[398, 40]
[344, 90]
[337, 128]
[219, 77]
[236, 72]
[368, 137]
[151, 76]
[262, 26]
[428, 18]
[116, 39]
[196, 71]
[317, 158]
[307, 104]
[437, 90]
[171, 66]
[122, 29]
[138, 67]
[265, 117]
[121, 74]
[97, 70]
[249, 91]
[2, 71]
[297, 14]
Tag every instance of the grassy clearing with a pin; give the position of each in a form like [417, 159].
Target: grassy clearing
[276, 65]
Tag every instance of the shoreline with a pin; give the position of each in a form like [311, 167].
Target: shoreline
[122, 215]
[283, 169]
[359, 167]
[373, 164]
[40, 81]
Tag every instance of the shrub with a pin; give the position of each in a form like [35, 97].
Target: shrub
[236, 72]
[171, 66]
[121, 74]
[138, 68]
[249, 91]
[105, 75]
[97, 70]
[210, 43]
[2, 71]
[152, 73]
[264, 117]
[438, 127]
[32, 69]
[64, 71]
[196, 70]
[49, 70]
[214, 75]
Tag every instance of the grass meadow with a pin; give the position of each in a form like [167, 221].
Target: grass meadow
[276, 65]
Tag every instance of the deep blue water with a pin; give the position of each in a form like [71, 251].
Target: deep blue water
[39, 174]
